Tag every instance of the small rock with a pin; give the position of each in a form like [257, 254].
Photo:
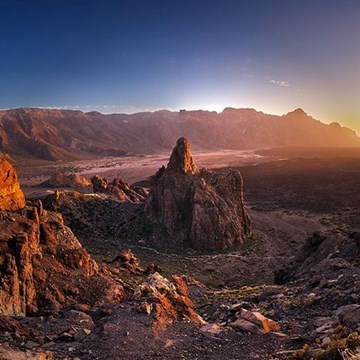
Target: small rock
[349, 314]
[245, 325]
[81, 334]
[31, 344]
[211, 330]
[145, 307]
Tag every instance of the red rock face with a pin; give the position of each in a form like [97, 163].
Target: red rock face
[34, 251]
[181, 159]
[11, 196]
[43, 266]
[200, 207]
[169, 299]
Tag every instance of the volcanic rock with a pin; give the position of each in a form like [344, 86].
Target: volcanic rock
[127, 260]
[53, 134]
[203, 208]
[117, 189]
[6, 352]
[170, 299]
[11, 196]
[43, 266]
[72, 181]
[32, 254]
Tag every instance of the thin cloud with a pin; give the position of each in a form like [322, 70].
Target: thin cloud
[279, 83]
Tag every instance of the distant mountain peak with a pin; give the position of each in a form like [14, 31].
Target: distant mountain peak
[297, 112]
[53, 134]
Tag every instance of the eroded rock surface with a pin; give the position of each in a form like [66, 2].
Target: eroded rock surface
[38, 255]
[203, 208]
[11, 196]
[72, 181]
[43, 266]
[168, 299]
[118, 189]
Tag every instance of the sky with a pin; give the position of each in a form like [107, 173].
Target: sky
[135, 55]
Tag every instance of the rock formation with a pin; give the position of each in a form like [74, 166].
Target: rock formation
[11, 196]
[118, 189]
[169, 300]
[72, 181]
[43, 266]
[203, 208]
[37, 250]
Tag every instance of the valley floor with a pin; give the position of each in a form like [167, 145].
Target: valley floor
[288, 201]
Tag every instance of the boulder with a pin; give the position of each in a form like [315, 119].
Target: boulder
[254, 322]
[258, 319]
[349, 315]
[204, 209]
[247, 326]
[168, 300]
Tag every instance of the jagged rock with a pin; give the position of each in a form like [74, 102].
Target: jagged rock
[72, 181]
[145, 307]
[181, 159]
[260, 320]
[11, 196]
[117, 189]
[127, 260]
[169, 299]
[254, 322]
[204, 208]
[43, 266]
[47, 244]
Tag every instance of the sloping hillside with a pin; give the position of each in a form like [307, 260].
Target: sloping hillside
[68, 135]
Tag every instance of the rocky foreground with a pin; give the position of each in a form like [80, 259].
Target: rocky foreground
[71, 293]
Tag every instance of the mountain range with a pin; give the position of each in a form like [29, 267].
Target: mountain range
[52, 134]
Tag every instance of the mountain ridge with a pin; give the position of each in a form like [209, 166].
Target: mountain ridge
[55, 134]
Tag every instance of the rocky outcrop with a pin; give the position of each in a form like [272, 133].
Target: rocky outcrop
[72, 181]
[11, 196]
[43, 266]
[202, 208]
[118, 189]
[37, 249]
[168, 300]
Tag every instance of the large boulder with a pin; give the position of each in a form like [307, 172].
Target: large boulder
[168, 300]
[203, 208]
[11, 196]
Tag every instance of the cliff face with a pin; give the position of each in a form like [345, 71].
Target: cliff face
[11, 196]
[203, 208]
[37, 250]
[43, 266]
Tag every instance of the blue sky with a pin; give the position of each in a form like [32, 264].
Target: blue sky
[133, 55]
